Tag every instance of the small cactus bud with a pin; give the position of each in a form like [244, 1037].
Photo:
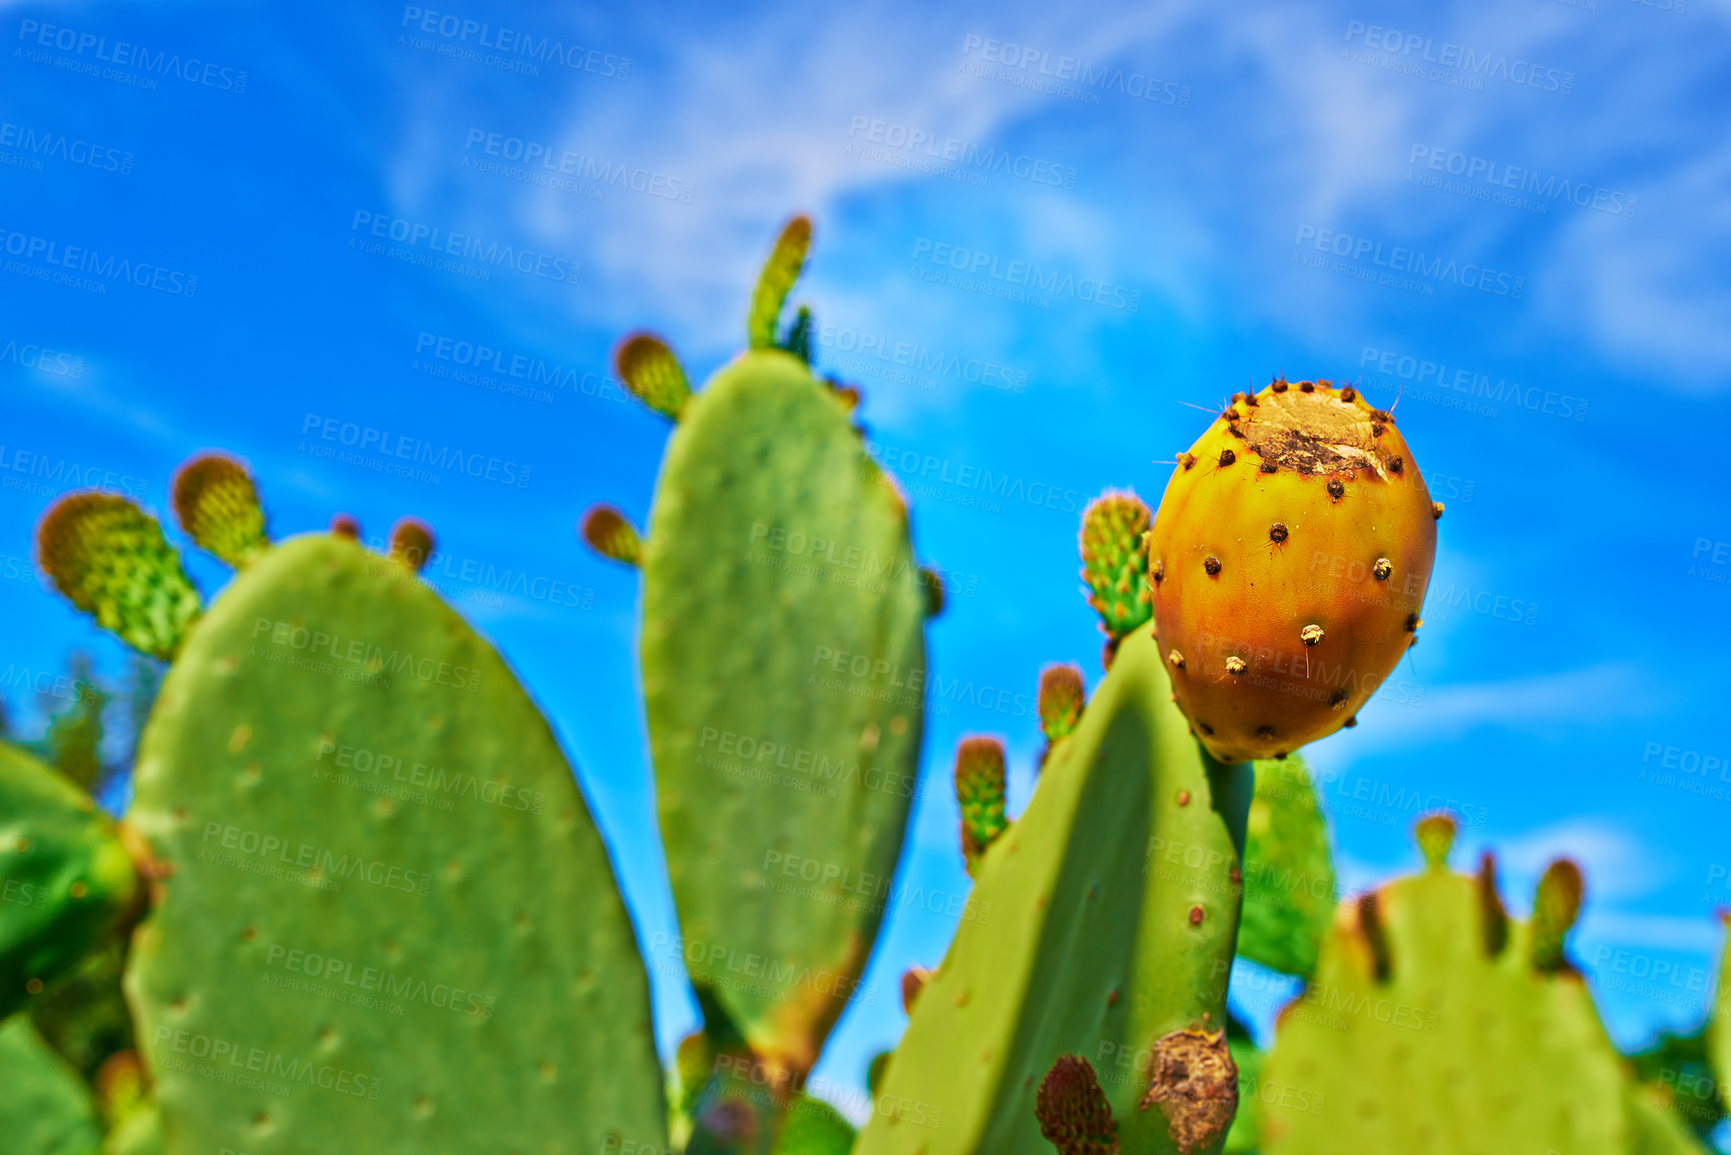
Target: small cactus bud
[933, 583]
[914, 980]
[1555, 908]
[1436, 510]
[980, 783]
[1493, 918]
[780, 271]
[1060, 701]
[1115, 561]
[1072, 1110]
[610, 535]
[217, 506]
[342, 525]
[1375, 936]
[799, 335]
[1436, 835]
[651, 371]
[875, 1071]
[109, 558]
[412, 543]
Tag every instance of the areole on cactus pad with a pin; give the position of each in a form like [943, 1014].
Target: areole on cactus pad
[1288, 560]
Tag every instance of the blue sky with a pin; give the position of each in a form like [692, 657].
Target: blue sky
[1514, 220]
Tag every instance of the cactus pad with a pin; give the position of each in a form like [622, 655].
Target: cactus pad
[1454, 1048]
[110, 560]
[774, 282]
[651, 371]
[782, 617]
[1289, 881]
[217, 505]
[45, 1110]
[65, 880]
[1060, 701]
[608, 533]
[1290, 557]
[385, 921]
[1114, 906]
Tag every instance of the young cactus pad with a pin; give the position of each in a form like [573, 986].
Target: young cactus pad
[381, 905]
[1289, 557]
[46, 1109]
[67, 879]
[1289, 882]
[783, 665]
[217, 505]
[1097, 945]
[1115, 562]
[1457, 1048]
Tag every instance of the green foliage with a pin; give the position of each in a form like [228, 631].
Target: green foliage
[84, 1016]
[1413, 1035]
[813, 1127]
[1079, 938]
[1289, 882]
[44, 1108]
[1679, 1068]
[67, 882]
[380, 893]
[73, 744]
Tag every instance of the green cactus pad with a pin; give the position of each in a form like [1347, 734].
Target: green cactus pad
[1113, 907]
[1456, 1050]
[980, 782]
[813, 1127]
[44, 1109]
[774, 282]
[1719, 1026]
[651, 371]
[139, 1134]
[217, 506]
[783, 669]
[386, 921]
[65, 879]
[1289, 881]
[1115, 561]
[110, 560]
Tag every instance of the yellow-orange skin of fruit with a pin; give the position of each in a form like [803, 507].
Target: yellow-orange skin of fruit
[1323, 573]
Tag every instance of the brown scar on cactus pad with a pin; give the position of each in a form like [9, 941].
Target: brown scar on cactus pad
[1311, 628]
[1195, 1085]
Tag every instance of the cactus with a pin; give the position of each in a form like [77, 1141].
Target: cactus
[1060, 702]
[368, 856]
[45, 1109]
[1289, 882]
[777, 560]
[1115, 564]
[1115, 906]
[1416, 1035]
[1289, 561]
[217, 504]
[68, 883]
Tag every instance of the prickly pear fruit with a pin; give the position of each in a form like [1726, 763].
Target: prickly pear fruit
[1289, 560]
[110, 560]
[1073, 1111]
[1115, 562]
[412, 543]
[1060, 701]
[606, 531]
[217, 505]
[980, 793]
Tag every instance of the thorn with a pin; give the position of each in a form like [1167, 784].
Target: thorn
[1436, 510]
[1236, 665]
[1177, 660]
[1382, 569]
[1348, 394]
[1307, 387]
[1396, 464]
[1336, 488]
[1311, 634]
[1277, 532]
[1211, 564]
[1227, 457]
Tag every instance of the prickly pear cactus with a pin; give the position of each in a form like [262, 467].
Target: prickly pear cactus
[382, 916]
[1289, 881]
[1435, 1022]
[65, 879]
[45, 1109]
[1114, 900]
[783, 665]
[1289, 560]
[1115, 564]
